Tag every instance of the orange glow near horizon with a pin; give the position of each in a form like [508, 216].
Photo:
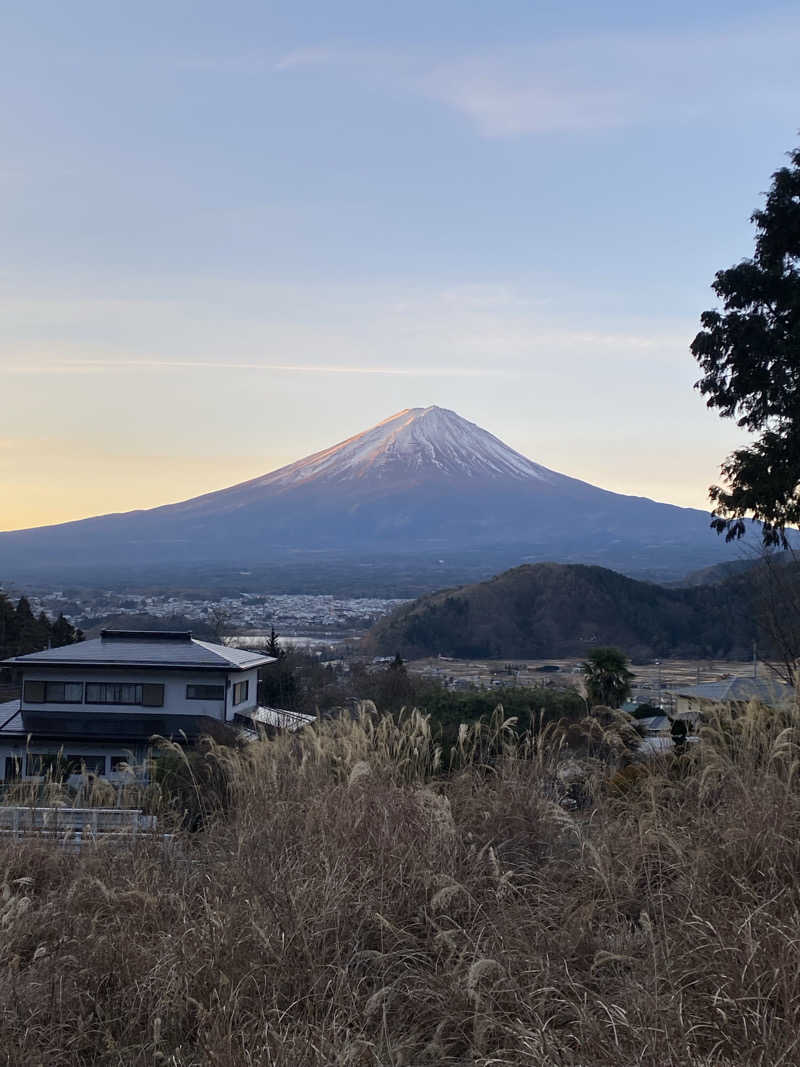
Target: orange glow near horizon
[44, 491]
[42, 485]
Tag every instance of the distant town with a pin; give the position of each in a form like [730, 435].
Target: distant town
[292, 615]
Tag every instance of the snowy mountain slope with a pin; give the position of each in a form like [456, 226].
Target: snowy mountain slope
[415, 447]
[418, 442]
[422, 481]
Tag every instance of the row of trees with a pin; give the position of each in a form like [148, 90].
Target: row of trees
[21, 631]
[297, 681]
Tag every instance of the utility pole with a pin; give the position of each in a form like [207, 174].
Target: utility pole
[658, 664]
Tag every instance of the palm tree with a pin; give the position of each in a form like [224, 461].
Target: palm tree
[606, 677]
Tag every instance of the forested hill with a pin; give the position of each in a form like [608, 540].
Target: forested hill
[21, 631]
[551, 609]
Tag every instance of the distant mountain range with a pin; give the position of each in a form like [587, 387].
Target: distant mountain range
[549, 609]
[424, 483]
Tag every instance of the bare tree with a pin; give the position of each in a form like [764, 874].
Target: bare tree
[219, 620]
[776, 604]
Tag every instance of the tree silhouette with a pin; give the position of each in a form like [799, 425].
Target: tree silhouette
[750, 357]
[22, 632]
[272, 648]
[606, 677]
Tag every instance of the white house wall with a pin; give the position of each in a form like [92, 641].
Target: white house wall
[174, 682]
[231, 709]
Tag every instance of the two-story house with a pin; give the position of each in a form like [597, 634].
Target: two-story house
[97, 703]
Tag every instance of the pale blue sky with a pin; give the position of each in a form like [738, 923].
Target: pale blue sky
[235, 233]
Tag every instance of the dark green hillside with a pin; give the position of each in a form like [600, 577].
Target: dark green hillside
[719, 572]
[552, 609]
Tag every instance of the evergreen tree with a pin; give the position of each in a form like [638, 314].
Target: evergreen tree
[7, 626]
[24, 613]
[272, 648]
[32, 634]
[21, 632]
[64, 633]
[750, 357]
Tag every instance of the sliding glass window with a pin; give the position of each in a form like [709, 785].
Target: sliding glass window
[205, 692]
[53, 692]
[150, 696]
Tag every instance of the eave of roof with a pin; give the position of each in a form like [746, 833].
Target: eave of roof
[128, 664]
[152, 654]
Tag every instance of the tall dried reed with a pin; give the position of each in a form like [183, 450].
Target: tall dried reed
[358, 897]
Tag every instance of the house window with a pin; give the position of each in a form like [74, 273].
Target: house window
[86, 764]
[120, 764]
[46, 764]
[205, 692]
[148, 696]
[54, 692]
[13, 767]
[240, 691]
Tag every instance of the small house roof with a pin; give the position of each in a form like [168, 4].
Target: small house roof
[10, 719]
[654, 724]
[738, 690]
[144, 648]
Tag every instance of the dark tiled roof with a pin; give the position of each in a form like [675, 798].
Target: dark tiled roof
[653, 724]
[155, 648]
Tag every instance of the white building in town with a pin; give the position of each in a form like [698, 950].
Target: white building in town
[96, 704]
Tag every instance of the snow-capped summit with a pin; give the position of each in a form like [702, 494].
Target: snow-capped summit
[414, 444]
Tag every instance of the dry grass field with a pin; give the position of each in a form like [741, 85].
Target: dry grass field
[355, 898]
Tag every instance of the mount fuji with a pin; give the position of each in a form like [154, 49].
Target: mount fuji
[424, 482]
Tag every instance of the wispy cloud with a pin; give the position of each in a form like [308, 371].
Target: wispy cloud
[90, 366]
[587, 83]
[504, 104]
[331, 55]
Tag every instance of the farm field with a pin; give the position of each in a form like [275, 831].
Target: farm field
[667, 675]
